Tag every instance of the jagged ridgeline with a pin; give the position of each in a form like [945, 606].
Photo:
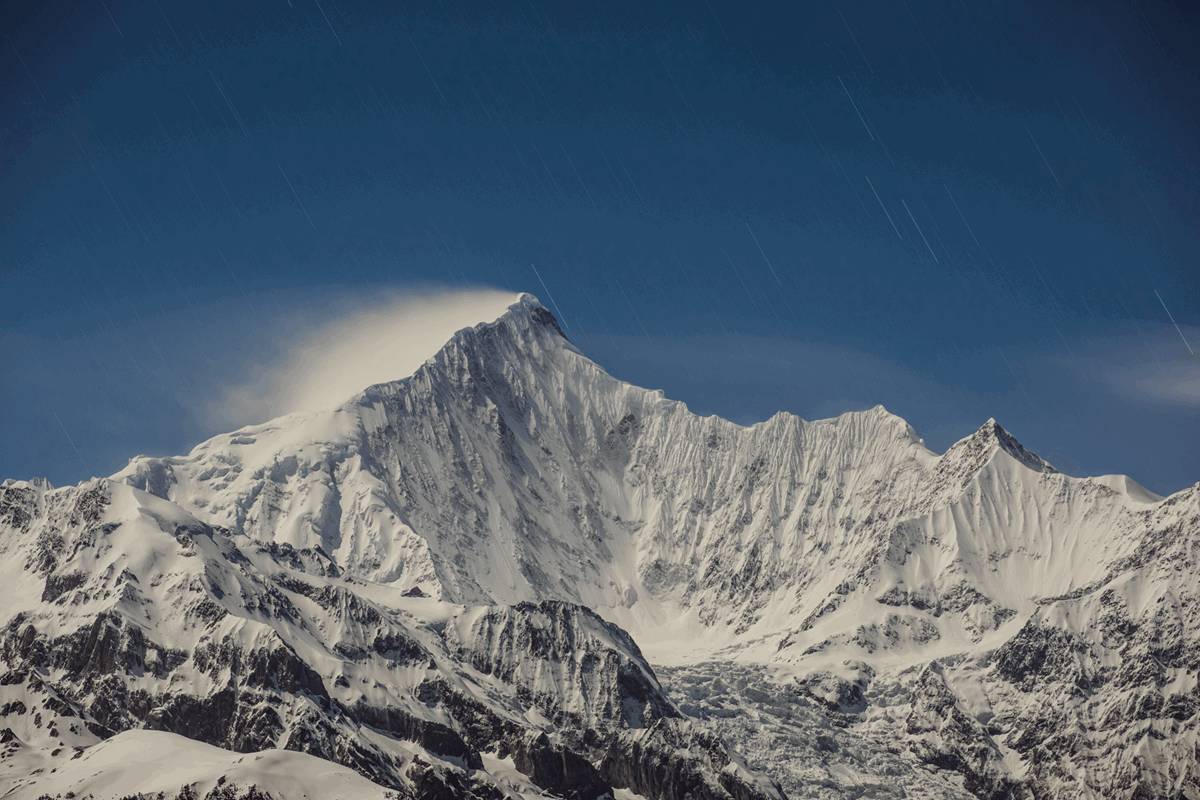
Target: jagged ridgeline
[456, 585]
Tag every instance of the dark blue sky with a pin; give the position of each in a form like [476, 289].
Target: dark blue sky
[960, 210]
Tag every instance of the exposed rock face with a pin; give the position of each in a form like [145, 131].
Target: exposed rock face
[652, 762]
[573, 664]
[941, 733]
[557, 768]
[439, 586]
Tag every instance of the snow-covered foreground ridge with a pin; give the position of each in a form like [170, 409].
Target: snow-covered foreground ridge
[432, 584]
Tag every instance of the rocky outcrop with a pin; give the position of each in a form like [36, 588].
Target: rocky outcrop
[675, 758]
[942, 734]
[557, 768]
[572, 663]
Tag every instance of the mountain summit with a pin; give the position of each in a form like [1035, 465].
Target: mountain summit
[460, 580]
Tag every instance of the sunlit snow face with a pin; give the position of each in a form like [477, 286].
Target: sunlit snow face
[387, 339]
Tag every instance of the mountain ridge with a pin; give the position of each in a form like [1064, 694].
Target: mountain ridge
[458, 368]
[537, 533]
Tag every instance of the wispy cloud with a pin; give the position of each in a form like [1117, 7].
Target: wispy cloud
[1176, 381]
[369, 341]
[1145, 365]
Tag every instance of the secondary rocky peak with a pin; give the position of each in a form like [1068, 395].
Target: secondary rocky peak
[971, 453]
[993, 431]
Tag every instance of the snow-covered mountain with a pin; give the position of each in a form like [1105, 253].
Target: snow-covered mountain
[455, 584]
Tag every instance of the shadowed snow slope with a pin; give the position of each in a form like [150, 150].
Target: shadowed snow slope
[425, 584]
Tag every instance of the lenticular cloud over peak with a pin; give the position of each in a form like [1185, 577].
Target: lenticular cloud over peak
[381, 340]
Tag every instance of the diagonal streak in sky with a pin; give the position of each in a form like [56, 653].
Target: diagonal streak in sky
[886, 213]
[918, 227]
[296, 195]
[1171, 317]
[1045, 160]
[320, 8]
[770, 266]
[553, 302]
[861, 118]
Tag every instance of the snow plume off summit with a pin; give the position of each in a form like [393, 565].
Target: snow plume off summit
[382, 340]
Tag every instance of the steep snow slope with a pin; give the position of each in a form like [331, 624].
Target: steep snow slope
[140, 761]
[510, 467]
